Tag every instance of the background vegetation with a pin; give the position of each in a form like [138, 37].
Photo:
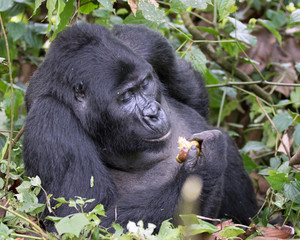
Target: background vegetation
[249, 54]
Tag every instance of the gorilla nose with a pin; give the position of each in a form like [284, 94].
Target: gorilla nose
[151, 110]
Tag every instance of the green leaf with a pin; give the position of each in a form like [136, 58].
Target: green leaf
[200, 4]
[197, 58]
[33, 208]
[198, 227]
[122, 11]
[292, 191]
[16, 30]
[225, 7]
[228, 108]
[209, 30]
[295, 97]
[65, 15]
[277, 181]
[3, 66]
[278, 18]
[88, 7]
[1, 185]
[241, 33]
[230, 232]
[253, 146]
[35, 181]
[295, 17]
[151, 12]
[50, 4]
[74, 224]
[106, 4]
[167, 231]
[139, 19]
[272, 28]
[37, 4]
[210, 78]
[4, 231]
[296, 134]
[5, 5]
[99, 210]
[12, 48]
[18, 101]
[249, 164]
[177, 6]
[282, 121]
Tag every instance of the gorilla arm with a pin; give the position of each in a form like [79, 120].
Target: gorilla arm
[65, 158]
[159, 204]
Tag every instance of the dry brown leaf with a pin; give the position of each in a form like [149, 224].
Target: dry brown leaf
[283, 232]
[268, 51]
[153, 2]
[133, 5]
[286, 142]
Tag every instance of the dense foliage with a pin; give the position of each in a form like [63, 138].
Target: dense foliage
[249, 54]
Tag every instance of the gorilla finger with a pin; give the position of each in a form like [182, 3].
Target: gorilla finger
[209, 135]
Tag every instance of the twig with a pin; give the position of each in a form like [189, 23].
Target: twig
[14, 141]
[296, 158]
[228, 84]
[11, 105]
[278, 134]
[33, 224]
[225, 64]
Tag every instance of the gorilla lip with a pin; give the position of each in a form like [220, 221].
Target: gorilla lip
[159, 139]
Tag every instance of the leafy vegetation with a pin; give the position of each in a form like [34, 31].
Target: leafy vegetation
[249, 54]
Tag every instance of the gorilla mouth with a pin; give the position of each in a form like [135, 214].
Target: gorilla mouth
[163, 138]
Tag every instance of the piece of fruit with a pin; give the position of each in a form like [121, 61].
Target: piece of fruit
[184, 147]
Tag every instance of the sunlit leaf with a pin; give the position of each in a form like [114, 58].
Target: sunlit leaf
[73, 224]
[5, 5]
[151, 12]
[200, 4]
[225, 7]
[277, 181]
[295, 16]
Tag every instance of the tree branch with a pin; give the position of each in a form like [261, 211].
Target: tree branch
[226, 65]
[296, 158]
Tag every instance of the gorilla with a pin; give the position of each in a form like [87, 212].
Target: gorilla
[110, 105]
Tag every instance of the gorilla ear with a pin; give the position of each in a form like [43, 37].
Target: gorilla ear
[79, 91]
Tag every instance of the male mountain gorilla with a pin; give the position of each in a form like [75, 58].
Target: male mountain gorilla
[111, 105]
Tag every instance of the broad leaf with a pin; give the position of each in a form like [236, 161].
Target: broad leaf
[73, 224]
[282, 121]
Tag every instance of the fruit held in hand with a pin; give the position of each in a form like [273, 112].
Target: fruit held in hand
[184, 147]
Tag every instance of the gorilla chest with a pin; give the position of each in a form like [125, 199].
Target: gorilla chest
[144, 180]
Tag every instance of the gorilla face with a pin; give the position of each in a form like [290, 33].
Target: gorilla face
[132, 101]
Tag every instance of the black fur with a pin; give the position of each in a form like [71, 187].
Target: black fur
[112, 104]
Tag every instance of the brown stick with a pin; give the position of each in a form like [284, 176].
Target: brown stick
[220, 60]
[14, 141]
[296, 158]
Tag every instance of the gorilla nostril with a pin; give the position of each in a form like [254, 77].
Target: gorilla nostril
[151, 111]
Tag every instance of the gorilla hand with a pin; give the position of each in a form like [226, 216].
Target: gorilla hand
[213, 153]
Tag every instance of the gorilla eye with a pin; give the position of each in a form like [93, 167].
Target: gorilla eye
[145, 83]
[79, 91]
[127, 96]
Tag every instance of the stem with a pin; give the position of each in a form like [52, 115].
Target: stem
[221, 107]
[33, 224]
[278, 134]
[220, 60]
[12, 105]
